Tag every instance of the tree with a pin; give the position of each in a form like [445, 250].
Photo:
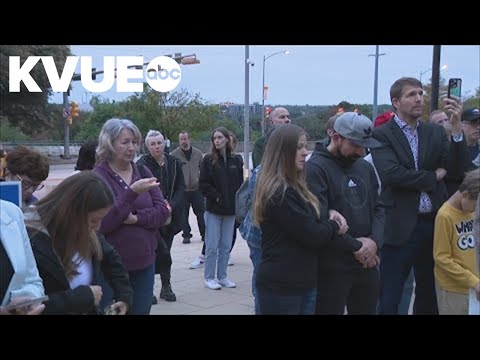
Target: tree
[170, 113]
[472, 101]
[26, 110]
[442, 92]
[10, 133]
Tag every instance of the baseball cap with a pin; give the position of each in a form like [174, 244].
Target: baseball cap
[357, 128]
[471, 115]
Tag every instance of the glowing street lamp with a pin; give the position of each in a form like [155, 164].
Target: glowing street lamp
[426, 71]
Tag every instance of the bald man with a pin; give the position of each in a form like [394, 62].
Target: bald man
[278, 117]
[439, 117]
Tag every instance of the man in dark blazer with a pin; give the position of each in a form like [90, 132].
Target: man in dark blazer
[411, 165]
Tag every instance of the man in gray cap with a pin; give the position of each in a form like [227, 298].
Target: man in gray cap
[343, 181]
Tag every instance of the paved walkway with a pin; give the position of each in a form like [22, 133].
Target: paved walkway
[193, 297]
[187, 284]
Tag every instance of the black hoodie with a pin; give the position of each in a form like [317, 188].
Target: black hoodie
[351, 189]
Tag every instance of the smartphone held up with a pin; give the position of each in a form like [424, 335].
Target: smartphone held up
[455, 87]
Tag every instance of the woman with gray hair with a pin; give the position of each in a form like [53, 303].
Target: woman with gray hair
[139, 211]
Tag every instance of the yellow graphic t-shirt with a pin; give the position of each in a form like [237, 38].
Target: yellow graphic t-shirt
[454, 250]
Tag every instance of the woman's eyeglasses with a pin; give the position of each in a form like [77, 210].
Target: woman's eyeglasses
[27, 184]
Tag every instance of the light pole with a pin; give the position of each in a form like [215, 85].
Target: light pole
[246, 122]
[265, 58]
[375, 82]
[426, 71]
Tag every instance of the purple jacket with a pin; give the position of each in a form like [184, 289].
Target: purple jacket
[135, 243]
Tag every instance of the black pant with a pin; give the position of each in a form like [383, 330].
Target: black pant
[397, 261]
[357, 289]
[163, 260]
[197, 201]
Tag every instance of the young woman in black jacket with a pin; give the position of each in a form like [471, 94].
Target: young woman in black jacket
[69, 252]
[292, 233]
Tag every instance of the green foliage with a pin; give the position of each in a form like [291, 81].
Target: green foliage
[10, 133]
[95, 120]
[472, 101]
[28, 111]
[169, 113]
[442, 93]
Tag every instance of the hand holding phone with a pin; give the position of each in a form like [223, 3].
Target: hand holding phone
[24, 302]
[455, 87]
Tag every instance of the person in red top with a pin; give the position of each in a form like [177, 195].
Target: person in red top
[383, 118]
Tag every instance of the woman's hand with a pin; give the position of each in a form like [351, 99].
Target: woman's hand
[341, 221]
[131, 219]
[143, 185]
[120, 307]
[34, 309]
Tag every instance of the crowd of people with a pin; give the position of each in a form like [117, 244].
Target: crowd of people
[380, 209]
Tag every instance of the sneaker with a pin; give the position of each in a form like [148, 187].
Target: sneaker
[154, 300]
[212, 284]
[186, 240]
[198, 262]
[227, 283]
[230, 261]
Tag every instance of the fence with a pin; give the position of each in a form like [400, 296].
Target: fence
[55, 148]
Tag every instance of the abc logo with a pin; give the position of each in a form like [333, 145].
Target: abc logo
[163, 74]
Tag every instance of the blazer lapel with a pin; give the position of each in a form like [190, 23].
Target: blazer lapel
[422, 139]
[402, 139]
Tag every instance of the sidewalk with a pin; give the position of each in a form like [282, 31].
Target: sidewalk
[187, 284]
[193, 298]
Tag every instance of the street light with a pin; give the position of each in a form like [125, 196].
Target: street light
[265, 58]
[426, 71]
[375, 81]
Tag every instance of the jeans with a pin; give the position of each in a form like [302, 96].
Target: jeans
[142, 285]
[272, 303]
[255, 256]
[218, 241]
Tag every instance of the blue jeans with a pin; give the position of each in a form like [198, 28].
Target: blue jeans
[272, 303]
[218, 241]
[255, 256]
[141, 282]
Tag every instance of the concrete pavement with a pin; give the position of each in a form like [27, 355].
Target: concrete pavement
[193, 298]
[187, 284]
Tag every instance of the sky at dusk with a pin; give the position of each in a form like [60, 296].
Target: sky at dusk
[313, 74]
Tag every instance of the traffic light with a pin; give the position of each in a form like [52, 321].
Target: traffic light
[74, 110]
[268, 109]
[191, 60]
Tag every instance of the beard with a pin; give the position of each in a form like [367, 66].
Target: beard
[347, 161]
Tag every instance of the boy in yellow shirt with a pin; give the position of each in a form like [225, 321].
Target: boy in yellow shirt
[454, 248]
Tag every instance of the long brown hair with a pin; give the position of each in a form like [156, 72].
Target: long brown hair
[279, 171]
[228, 147]
[64, 213]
